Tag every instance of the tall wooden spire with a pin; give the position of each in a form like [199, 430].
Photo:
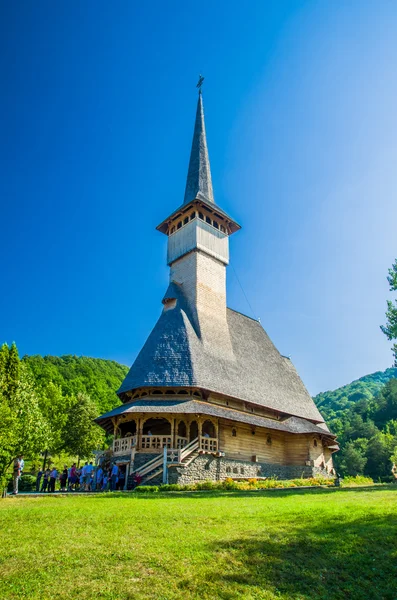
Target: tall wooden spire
[199, 182]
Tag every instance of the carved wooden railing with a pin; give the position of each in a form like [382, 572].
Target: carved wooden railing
[124, 445]
[181, 442]
[188, 449]
[208, 444]
[155, 442]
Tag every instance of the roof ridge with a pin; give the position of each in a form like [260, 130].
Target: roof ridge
[243, 314]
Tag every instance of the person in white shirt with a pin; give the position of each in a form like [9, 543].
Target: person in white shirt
[87, 476]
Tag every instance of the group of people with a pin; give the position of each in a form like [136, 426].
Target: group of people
[87, 478]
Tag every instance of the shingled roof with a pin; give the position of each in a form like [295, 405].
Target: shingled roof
[294, 425]
[175, 356]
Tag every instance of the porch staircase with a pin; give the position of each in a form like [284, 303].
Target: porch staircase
[153, 469]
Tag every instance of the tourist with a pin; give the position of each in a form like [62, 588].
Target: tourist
[53, 478]
[63, 478]
[81, 479]
[114, 477]
[104, 482]
[38, 479]
[83, 476]
[46, 479]
[73, 477]
[121, 480]
[16, 474]
[99, 477]
[149, 432]
[88, 475]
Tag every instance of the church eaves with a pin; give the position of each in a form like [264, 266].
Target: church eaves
[199, 182]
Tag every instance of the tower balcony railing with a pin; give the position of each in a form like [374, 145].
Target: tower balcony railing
[124, 445]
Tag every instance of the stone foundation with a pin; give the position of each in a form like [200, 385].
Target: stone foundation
[211, 468]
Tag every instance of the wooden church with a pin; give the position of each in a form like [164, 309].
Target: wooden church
[209, 396]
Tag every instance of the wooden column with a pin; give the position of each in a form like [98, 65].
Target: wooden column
[217, 434]
[172, 419]
[139, 426]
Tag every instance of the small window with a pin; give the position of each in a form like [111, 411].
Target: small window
[170, 392]
[216, 224]
[208, 220]
[157, 393]
[183, 393]
[269, 440]
[228, 470]
[193, 216]
[207, 466]
[241, 470]
[253, 432]
[235, 470]
[223, 229]
[186, 220]
[179, 225]
[172, 229]
[227, 403]
[143, 394]
[315, 443]
[201, 216]
[234, 432]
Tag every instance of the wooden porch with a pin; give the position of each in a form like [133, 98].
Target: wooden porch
[151, 433]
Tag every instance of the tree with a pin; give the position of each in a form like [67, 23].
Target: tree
[55, 407]
[353, 459]
[23, 429]
[379, 451]
[82, 435]
[385, 408]
[390, 329]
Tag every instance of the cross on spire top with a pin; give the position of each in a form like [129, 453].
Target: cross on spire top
[200, 83]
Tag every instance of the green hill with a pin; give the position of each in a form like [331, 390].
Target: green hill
[95, 376]
[363, 414]
[333, 403]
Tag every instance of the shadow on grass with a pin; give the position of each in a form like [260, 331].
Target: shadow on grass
[354, 559]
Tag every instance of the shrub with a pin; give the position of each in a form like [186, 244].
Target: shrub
[351, 481]
[268, 483]
[27, 483]
[253, 482]
[147, 488]
[170, 487]
[229, 484]
[206, 485]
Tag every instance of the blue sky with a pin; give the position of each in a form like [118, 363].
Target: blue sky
[97, 110]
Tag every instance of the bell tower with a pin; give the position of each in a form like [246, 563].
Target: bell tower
[198, 246]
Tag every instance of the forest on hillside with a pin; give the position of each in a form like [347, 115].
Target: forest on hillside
[48, 405]
[96, 377]
[363, 415]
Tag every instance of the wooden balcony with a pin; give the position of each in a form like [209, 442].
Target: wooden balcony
[124, 445]
[155, 442]
[208, 444]
[181, 442]
[158, 442]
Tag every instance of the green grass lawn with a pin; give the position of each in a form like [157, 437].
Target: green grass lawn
[328, 544]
